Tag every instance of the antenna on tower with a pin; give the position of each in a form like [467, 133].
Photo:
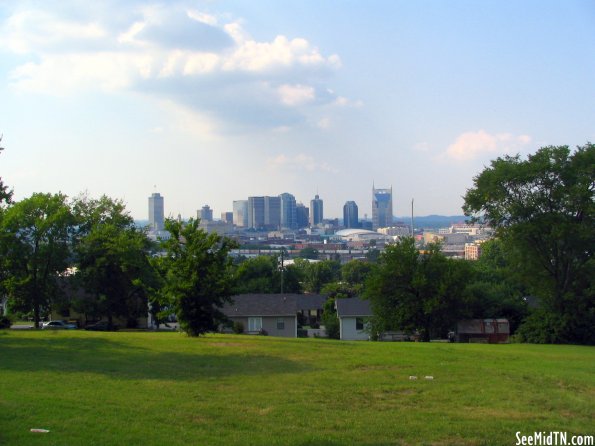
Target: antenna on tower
[412, 233]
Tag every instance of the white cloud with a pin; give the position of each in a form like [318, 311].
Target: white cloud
[300, 161]
[471, 145]
[296, 94]
[324, 123]
[202, 61]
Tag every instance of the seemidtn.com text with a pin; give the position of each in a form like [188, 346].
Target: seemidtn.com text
[553, 439]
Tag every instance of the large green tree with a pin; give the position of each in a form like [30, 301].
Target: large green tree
[5, 193]
[543, 208]
[196, 270]
[263, 274]
[496, 287]
[413, 291]
[35, 242]
[112, 257]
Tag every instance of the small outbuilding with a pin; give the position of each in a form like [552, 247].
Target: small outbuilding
[353, 317]
[489, 331]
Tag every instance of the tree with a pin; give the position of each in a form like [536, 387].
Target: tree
[112, 260]
[35, 237]
[495, 287]
[543, 209]
[356, 271]
[197, 277]
[316, 274]
[5, 193]
[258, 275]
[309, 253]
[417, 292]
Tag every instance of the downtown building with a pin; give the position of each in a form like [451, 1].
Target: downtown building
[382, 208]
[288, 210]
[350, 215]
[316, 211]
[264, 212]
[156, 212]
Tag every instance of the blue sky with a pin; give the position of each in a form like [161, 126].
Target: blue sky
[208, 102]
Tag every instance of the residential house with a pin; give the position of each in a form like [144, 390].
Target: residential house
[275, 314]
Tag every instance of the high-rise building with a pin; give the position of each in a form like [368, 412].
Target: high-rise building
[288, 211]
[382, 208]
[227, 217]
[316, 211]
[350, 218]
[205, 214]
[240, 213]
[272, 212]
[156, 212]
[302, 215]
[256, 212]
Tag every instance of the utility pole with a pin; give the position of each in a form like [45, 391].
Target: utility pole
[282, 268]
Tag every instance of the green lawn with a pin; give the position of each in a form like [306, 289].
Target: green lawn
[167, 389]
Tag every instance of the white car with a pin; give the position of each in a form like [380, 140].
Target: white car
[57, 325]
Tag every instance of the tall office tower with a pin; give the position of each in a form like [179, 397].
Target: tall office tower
[272, 212]
[382, 208]
[288, 211]
[156, 214]
[205, 214]
[302, 215]
[317, 211]
[256, 212]
[350, 218]
[227, 217]
[240, 213]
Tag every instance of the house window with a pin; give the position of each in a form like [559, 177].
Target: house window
[280, 323]
[254, 323]
[359, 323]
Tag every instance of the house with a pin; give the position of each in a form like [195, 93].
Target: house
[274, 314]
[490, 331]
[353, 314]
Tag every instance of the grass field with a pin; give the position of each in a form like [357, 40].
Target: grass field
[167, 389]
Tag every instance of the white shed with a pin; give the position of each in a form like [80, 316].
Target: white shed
[353, 316]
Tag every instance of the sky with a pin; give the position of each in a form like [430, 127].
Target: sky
[207, 102]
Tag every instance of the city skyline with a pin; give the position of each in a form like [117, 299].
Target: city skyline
[211, 102]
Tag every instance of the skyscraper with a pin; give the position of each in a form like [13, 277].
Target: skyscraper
[205, 214]
[288, 211]
[240, 213]
[256, 212]
[316, 211]
[350, 217]
[302, 215]
[272, 212]
[382, 207]
[156, 213]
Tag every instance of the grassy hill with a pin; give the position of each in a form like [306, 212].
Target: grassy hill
[168, 389]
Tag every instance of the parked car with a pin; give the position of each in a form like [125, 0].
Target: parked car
[58, 325]
[101, 326]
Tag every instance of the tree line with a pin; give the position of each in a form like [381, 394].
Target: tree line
[87, 254]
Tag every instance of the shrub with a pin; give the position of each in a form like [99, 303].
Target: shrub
[5, 322]
[238, 327]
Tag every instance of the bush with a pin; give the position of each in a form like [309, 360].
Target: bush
[263, 332]
[238, 327]
[5, 322]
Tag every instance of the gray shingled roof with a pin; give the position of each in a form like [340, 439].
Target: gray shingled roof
[272, 304]
[353, 307]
